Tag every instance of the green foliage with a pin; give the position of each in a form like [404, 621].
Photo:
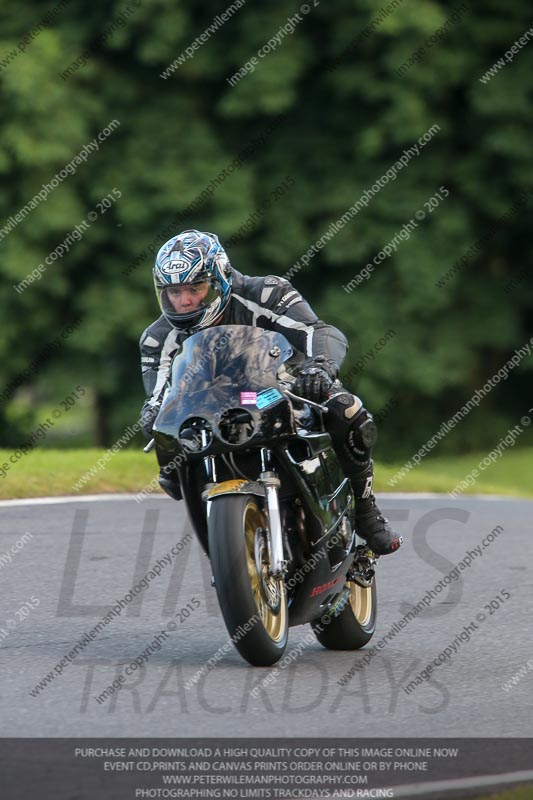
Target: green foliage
[345, 116]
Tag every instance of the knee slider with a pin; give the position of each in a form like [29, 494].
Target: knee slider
[362, 435]
[368, 430]
[352, 428]
[358, 420]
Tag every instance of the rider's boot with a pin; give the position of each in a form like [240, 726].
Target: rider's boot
[370, 523]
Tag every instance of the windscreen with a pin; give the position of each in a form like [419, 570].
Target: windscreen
[221, 367]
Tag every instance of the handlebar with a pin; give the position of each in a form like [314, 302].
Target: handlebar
[297, 397]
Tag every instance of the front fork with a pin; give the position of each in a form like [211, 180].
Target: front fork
[271, 483]
[274, 535]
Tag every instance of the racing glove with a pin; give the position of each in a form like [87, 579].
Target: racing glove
[315, 378]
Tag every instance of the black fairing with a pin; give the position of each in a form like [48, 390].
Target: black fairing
[225, 380]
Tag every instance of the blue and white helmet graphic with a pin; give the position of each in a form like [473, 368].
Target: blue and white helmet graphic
[193, 259]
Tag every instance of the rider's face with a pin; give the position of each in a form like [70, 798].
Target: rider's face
[187, 297]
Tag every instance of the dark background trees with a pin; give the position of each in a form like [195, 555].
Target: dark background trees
[333, 108]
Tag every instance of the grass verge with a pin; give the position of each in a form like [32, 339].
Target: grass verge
[510, 475]
[56, 472]
[522, 793]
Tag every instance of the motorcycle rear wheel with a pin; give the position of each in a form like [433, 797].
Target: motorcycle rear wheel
[354, 625]
[253, 603]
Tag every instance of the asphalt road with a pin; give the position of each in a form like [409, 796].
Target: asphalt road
[82, 556]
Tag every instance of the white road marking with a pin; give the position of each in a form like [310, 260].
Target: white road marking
[96, 498]
[455, 784]
[86, 498]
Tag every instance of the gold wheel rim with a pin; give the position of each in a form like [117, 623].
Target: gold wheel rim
[361, 602]
[268, 593]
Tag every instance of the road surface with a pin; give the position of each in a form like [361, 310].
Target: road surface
[82, 556]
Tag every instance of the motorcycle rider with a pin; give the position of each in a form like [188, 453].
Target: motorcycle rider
[196, 288]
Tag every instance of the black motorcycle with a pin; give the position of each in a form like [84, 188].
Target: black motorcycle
[265, 495]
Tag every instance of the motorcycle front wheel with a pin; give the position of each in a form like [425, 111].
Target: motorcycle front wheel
[354, 625]
[253, 603]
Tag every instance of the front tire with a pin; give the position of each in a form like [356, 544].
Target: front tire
[253, 603]
[353, 626]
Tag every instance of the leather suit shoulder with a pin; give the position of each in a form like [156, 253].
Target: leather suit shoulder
[156, 333]
[264, 290]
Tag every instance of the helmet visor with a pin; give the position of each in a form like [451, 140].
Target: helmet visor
[186, 305]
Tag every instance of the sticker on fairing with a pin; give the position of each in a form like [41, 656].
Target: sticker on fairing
[248, 398]
[268, 397]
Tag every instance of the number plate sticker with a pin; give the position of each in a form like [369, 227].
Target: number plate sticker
[248, 398]
[268, 397]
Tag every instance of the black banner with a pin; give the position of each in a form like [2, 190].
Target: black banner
[124, 769]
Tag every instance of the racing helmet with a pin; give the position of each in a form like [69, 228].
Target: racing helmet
[193, 257]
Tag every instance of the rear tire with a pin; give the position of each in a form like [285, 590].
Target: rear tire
[354, 625]
[253, 604]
